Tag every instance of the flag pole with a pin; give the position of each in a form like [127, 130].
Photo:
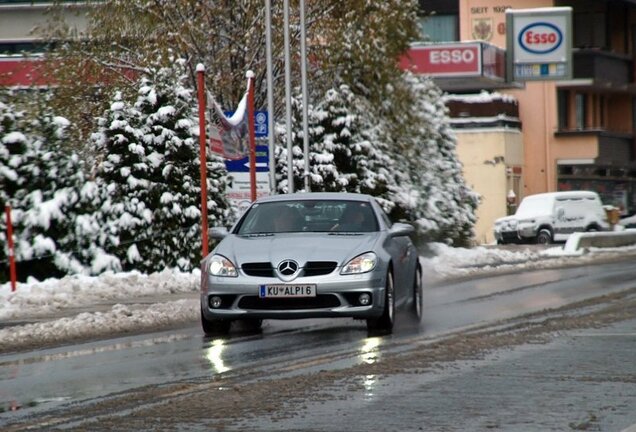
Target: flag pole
[288, 106]
[203, 160]
[303, 82]
[250, 119]
[270, 95]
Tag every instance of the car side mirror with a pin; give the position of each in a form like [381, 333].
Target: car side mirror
[401, 229]
[218, 233]
[560, 213]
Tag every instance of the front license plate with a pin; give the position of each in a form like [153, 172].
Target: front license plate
[308, 290]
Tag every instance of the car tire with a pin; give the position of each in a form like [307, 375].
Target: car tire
[544, 237]
[385, 322]
[418, 301]
[215, 327]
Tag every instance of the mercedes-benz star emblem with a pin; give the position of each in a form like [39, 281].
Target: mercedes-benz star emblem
[288, 267]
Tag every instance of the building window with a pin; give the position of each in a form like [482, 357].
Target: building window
[589, 29]
[581, 102]
[440, 28]
[563, 111]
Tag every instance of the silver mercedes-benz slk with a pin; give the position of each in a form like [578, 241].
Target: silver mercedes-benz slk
[308, 255]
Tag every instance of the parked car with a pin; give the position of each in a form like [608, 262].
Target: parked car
[548, 217]
[309, 255]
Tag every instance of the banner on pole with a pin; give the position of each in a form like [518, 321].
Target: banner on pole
[229, 136]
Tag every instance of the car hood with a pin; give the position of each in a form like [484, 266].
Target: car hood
[301, 247]
[505, 219]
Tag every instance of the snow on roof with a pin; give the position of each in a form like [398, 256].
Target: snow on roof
[483, 97]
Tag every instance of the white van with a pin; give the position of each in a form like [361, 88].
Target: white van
[548, 217]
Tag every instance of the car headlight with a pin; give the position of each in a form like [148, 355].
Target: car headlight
[221, 266]
[361, 264]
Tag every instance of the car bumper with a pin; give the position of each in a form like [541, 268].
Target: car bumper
[515, 236]
[336, 296]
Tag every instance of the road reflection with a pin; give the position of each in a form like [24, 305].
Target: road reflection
[369, 352]
[213, 354]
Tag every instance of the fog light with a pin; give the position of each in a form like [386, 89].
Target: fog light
[215, 302]
[364, 299]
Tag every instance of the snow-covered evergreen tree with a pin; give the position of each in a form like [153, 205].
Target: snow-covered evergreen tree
[435, 194]
[150, 175]
[13, 154]
[402, 152]
[40, 179]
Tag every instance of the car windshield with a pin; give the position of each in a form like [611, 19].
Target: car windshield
[308, 216]
[534, 206]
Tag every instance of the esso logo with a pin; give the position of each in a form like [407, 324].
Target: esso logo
[540, 38]
[452, 56]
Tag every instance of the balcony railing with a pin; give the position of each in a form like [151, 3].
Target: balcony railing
[605, 68]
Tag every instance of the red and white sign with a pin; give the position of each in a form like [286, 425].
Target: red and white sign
[444, 59]
[540, 35]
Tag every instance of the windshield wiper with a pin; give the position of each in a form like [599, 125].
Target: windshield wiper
[346, 233]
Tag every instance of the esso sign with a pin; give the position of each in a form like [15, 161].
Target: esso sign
[452, 56]
[444, 60]
[540, 38]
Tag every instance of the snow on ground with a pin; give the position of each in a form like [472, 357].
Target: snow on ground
[82, 307]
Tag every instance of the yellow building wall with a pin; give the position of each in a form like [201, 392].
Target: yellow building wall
[486, 156]
[537, 100]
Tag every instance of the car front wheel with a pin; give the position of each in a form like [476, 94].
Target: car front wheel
[385, 322]
[544, 237]
[215, 327]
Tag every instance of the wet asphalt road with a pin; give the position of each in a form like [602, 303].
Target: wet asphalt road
[567, 383]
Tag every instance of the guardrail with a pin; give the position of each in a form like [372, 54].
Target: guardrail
[578, 242]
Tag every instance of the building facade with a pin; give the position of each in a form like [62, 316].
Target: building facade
[577, 133]
[21, 40]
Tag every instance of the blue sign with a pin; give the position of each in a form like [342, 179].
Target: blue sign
[243, 164]
[261, 124]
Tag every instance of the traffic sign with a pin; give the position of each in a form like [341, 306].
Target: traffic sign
[243, 164]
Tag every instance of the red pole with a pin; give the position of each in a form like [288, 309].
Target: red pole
[202, 160]
[12, 272]
[250, 119]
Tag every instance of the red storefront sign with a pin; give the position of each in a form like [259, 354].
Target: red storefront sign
[21, 72]
[444, 60]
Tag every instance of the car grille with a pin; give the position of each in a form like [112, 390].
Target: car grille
[312, 268]
[262, 269]
[510, 235]
[319, 302]
[318, 268]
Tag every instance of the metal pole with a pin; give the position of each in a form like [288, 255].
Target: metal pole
[290, 159]
[12, 272]
[303, 77]
[250, 122]
[270, 95]
[203, 160]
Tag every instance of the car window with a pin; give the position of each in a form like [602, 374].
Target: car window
[532, 206]
[308, 216]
